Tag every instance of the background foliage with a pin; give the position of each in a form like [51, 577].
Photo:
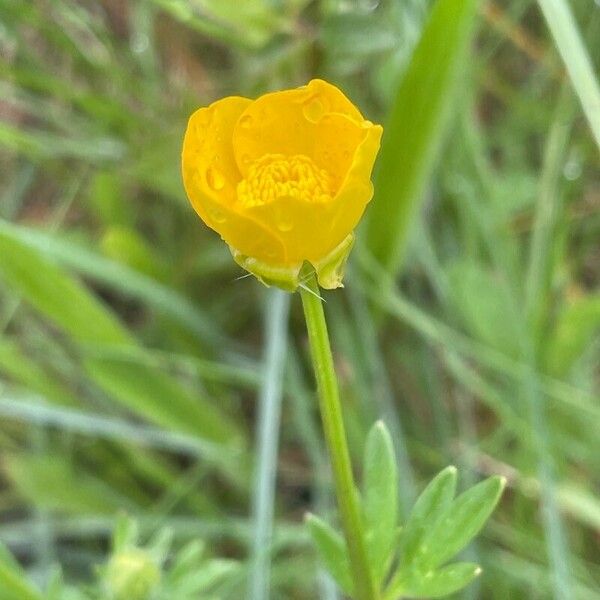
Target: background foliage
[131, 354]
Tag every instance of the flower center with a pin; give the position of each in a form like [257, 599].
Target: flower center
[275, 176]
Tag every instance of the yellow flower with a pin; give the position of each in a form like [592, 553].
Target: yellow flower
[283, 179]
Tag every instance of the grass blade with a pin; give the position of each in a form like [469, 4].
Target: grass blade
[268, 438]
[416, 127]
[564, 30]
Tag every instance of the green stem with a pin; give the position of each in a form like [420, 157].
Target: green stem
[335, 435]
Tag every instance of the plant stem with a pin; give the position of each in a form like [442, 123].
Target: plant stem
[335, 435]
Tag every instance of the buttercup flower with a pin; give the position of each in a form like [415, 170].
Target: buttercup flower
[283, 179]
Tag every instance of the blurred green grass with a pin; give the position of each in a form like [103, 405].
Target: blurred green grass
[131, 355]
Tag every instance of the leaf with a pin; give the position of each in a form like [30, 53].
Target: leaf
[22, 369]
[380, 499]
[125, 533]
[14, 585]
[332, 551]
[160, 398]
[57, 295]
[50, 482]
[431, 505]
[577, 325]
[118, 276]
[187, 560]
[484, 302]
[126, 246]
[416, 127]
[446, 580]
[571, 47]
[211, 574]
[462, 522]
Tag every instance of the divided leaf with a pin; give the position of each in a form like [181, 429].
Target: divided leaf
[462, 522]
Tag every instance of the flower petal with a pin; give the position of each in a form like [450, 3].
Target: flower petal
[310, 120]
[356, 190]
[207, 157]
[310, 231]
[210, 177]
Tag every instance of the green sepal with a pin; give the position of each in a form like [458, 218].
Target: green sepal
[329, 270]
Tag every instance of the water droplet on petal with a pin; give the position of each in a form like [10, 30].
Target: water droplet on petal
[284, 225]
[246, 121]
[283, 220]
[313, 109]
[217, 215]
[215, 178]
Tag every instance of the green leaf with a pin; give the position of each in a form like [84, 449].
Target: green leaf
[577, 325]
[380, 499]
[429, 508]
[416, 127]
[14, 585]
[125, 534]
[160, 398]
[22, 369]
[442, 582]
[55, 294]
[51, 482]
[187, 560]
[484, 301]
[125, 245]
[332, 551]
[461, 523]
[572, 49]
[119, 277]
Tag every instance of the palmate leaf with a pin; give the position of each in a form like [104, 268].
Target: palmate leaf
[438, 528]
[461, 523]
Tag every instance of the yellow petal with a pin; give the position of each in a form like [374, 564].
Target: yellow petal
[310, 121]
[310, 231]
[210, 177]
[357, 190]
[209, 169]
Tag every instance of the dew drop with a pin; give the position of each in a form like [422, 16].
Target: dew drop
[203, 120]
[215, 178]
[313, 109]
[283, 222]
[284, 225]
[246, 122]
[217, 215]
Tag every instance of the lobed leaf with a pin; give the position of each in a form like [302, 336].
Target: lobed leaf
[463, 520]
